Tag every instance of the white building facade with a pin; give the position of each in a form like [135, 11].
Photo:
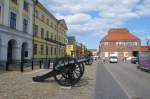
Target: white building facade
[16, 29]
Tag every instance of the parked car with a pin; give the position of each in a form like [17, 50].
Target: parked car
[113, 59]
[95, 57]
[134, 60]
[144, 62]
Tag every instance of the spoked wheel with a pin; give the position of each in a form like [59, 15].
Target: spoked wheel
[82, 69]
[89, 62]
[67, 71]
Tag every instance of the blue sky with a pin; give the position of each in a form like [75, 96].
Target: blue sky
[89, 20]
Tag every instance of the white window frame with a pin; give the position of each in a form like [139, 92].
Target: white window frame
[27, 24]
[106, 54]
[16, 18]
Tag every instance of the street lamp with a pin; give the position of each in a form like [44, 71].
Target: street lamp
[148, 43]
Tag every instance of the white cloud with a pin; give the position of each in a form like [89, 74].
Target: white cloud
[79, 18]
[112, 13]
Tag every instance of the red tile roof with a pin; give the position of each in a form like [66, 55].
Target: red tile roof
[145, 49]
[119, 34]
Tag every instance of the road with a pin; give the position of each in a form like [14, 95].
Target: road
[106, 85]
[123, 77]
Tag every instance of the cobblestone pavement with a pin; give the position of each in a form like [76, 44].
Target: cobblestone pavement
[17, 85]
[106, 85]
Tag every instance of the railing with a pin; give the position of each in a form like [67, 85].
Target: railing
[26, 64]
[23, 65]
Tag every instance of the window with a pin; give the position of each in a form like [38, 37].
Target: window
[0, 11]
[120, 43]
[47, 21]
[42, 49]
[52, 36]
[51, 50]
[117, 43]
[55, 51]
[43, 18]
[55, 27]
[26, 53]
[42, 33]
[52, 24]
[55, 37]
[14, 1]
[13, 20]
[25, 25]
[26, 6]
[36, 13]
[35, 49]
[36, 30]
[106, 43]
[47, 34]
[136, 44]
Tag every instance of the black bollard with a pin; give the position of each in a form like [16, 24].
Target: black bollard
[21, 67]
[32, 65]
[7, 66]
[49, 64]
[40, 64]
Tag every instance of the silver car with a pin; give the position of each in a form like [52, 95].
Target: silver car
[113, 59]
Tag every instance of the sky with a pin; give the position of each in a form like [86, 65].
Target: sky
[90, 20]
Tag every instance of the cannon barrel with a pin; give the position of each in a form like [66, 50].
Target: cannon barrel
[67, 71]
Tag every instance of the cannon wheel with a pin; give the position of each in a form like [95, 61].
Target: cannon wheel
[82, 68]
[89, 62]
[68, 74]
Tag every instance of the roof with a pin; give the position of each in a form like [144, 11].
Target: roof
[64, 23]
[119, 34]
[43, 8]
[145, 49]
[39, 4]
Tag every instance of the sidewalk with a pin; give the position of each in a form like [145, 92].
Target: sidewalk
[16, 85]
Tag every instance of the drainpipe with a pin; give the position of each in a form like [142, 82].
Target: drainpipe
[35, 2]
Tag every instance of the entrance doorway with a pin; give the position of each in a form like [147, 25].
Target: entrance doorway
[11, 51]
[135, 53]
[24, 51]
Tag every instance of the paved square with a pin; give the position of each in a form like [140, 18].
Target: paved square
[16, 85]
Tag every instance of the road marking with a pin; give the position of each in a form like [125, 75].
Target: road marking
[121, 86]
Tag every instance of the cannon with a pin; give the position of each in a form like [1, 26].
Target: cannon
[67, 71]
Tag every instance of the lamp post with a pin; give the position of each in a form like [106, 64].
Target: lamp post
[57, 29]
[46, 45]
[148, 43]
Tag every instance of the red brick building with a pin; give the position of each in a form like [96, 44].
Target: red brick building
[121, 43]
[145, 50]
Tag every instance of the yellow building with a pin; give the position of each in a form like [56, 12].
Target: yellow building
[70, 49]
[49, 34]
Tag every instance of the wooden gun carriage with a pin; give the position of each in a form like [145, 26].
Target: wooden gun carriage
[66, 71]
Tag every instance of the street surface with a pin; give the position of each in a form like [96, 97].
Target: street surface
[135, 83]
[100, 81]
[106, 86]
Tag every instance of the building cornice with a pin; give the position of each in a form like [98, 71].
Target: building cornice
[9, 31]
